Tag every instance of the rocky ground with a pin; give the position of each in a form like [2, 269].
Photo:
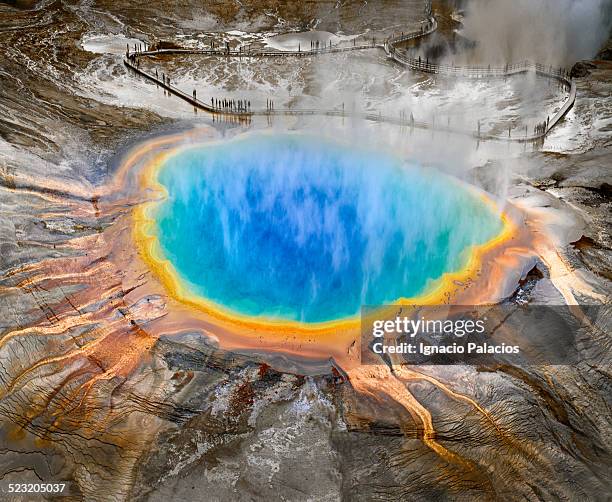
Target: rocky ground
[87, 395]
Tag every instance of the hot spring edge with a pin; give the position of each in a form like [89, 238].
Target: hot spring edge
[317, 174]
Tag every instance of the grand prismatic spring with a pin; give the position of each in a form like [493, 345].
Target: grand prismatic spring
[319, 229]
[305, 251]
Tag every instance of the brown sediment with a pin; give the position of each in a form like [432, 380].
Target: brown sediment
[566, 279]
[87, 345]
[392, 380]
[374, 380]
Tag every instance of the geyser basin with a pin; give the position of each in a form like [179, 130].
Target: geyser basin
[295, 228]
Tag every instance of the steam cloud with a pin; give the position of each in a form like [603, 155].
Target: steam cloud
[555, 32]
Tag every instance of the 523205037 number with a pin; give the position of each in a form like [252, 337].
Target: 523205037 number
[34, 487]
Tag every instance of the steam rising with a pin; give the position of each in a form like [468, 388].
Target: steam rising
[555, 32]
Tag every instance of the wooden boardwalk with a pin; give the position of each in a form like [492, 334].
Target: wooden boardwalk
[261, 54]
[489, 72]
[389, 45]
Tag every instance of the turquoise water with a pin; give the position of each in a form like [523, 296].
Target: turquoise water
[297, 228]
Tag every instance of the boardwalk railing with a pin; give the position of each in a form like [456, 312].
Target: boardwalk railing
[400, 56]
[477, 71]
[559, 74]
[427, 28]
[246, 115]
[266, 54]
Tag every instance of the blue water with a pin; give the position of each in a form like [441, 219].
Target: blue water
[294, 227]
